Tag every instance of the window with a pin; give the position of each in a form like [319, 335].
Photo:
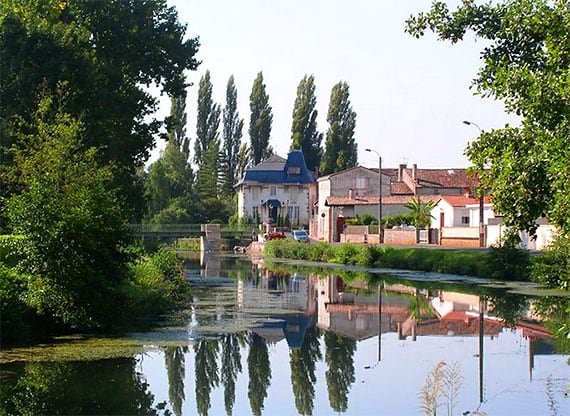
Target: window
[464, 220]
[255, 212]
[293, 213]
[360, 183]
[273, 191]
[293, 170]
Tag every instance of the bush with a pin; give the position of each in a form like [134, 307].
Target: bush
[10, 247]
[16, 314]
[157, 284]
[553, 266]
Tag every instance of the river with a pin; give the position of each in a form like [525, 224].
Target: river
[287, 338]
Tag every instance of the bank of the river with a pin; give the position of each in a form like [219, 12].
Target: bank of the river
[496, 263]
[152, 283]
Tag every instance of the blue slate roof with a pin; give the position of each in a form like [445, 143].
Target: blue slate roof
[280, 171]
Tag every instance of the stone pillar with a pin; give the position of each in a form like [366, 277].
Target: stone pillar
[212, 238]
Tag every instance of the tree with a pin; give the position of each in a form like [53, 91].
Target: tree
[525, 65]
[231, 367]
[206, 372]
[176, 123]
[340, 146]
[303, 366]
[421, 211]
[259, 371]
[174, 363]
[106, 53]
[73, 223]
[260, 121]
[339, 357]
[207, 121]
[304, 133]
[232, 132]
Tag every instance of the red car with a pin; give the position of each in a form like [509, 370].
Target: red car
[277, 235]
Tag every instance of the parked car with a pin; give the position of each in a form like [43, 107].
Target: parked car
[277, 235]
[301, 235]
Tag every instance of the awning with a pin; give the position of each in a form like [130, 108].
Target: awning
[272, 203]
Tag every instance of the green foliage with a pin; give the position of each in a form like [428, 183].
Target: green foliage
[420, 212]
[157, 284]
[72, 244]
[340, 146]
[396, 220]
[508, 263]
[260, 121]
[304, 133]
[526, 66]
[107, 54]
[497, 264]
[232, 132]
[16, 315]
[168, 188]
[10, 246]
[552, 267]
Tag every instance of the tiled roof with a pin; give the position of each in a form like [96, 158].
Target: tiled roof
[400, 188]
[373, 200]
[324, 177]
[276, 170]
[462, 200]
[445, 178]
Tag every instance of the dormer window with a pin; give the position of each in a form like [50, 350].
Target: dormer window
[293, 170]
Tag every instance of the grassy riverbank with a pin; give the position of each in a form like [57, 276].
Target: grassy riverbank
[152, 283]
[497, 263]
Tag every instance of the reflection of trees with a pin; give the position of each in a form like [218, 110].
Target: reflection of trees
[174, 362]
[509, 307]
[109, 387]
[259, 372]
[340, 374]
[206, 372]
[303, 378]
[556, 314]
[231, 367]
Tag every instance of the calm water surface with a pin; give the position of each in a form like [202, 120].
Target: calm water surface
[287, 339]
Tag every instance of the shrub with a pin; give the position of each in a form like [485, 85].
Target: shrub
[16, 314]
[553, 266]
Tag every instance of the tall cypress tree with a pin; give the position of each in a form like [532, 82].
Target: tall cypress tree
[232, 132]
[260, 121]
[340, 146]
[304, 133]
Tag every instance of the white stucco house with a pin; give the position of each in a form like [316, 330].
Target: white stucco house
[460, 211]
[278, 188]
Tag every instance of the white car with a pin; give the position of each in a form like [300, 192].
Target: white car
[301, 235]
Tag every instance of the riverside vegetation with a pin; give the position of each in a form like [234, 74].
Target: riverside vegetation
[498, 263]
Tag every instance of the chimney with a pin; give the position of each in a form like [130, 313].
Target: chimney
[415, 172]
[350, 194]
[401, 172]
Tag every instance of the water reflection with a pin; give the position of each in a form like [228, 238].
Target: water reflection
[282, 341]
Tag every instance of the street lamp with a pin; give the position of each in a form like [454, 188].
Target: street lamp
[380, 234]
[481, 197]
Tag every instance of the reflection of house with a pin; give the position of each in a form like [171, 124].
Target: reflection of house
[289, 327]
[277, 188]
[354, 192]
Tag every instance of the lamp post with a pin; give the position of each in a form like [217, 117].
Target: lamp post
[481, 197]
[380, 233]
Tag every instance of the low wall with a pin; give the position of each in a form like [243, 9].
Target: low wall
[355, 234]
[460, 236]
[400, 237]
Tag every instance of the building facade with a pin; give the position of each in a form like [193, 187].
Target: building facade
[278, 189]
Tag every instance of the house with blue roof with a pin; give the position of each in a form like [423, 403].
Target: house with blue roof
[278, 188]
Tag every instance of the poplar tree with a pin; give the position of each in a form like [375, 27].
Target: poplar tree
[304, 133]
[260, 121]
[232, 133]
[176, 123]
[340, 146]
[208, 119]
[207, 145]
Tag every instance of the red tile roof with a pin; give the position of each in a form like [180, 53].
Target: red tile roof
[445, 178]
[462, 200]
[400, 188]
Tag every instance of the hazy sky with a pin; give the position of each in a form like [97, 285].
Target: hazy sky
[410, 95]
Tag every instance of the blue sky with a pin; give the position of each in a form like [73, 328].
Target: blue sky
[410, 95]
